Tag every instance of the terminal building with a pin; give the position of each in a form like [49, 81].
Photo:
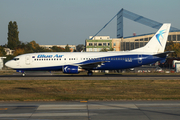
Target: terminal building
[121, 43]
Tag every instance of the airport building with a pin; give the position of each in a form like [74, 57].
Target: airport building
[121, 43]
[72, 47]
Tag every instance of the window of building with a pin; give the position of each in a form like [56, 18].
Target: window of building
[90, 44]
[95, 44]
[136, 45]
[141, 39]
[141, 44]
[95, 49]
[146, 39]
[108, 44]
[136, 39]
[145, 43]
[178, 37]
[90, 49]
[174, 37]
[127, 45]
[104, 44]
[122, 46]
[114, 44]
[99, 44]
[132, 46]
[169, 37]
[99, 49]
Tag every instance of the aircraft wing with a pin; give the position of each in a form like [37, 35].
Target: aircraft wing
[92, 64]
[163, 54]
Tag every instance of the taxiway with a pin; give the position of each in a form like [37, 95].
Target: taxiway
[91, 110]
[93, 77]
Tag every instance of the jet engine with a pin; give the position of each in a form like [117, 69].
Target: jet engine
[70, 69]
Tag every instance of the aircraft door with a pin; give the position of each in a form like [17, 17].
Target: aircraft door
[27, 60]
[139, 59]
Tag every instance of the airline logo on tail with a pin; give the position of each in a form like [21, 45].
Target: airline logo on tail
[160, 34]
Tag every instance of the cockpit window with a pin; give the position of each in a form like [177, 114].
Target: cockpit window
[15, 59]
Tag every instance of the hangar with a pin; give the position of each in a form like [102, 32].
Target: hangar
[96, 43]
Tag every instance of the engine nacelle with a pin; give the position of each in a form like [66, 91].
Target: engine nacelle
[70, 69]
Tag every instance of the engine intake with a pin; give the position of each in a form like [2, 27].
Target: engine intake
[70, 69]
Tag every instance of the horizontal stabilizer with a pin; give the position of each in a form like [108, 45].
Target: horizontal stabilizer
[163, 54]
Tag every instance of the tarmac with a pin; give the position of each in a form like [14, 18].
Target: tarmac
[91, 110]
[86, 77]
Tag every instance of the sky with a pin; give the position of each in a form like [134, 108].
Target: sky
[61, 22]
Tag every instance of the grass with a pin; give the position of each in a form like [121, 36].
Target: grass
[7, 72]
[60, 90]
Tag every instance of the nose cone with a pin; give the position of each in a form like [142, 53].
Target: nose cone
[8, 64]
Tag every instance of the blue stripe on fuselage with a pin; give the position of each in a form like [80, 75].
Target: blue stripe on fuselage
[111, 63]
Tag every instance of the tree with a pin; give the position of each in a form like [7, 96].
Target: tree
[57, 49]
[79, 47]
[106, 49]
[13, 39]
[2, 52]
[103, 50]
[67, 48]
[171, 46]
[19, 51]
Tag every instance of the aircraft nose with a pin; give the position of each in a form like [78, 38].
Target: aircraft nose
[8, 64]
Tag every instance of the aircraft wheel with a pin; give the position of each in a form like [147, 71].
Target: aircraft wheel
[90, 73]
[23, 74]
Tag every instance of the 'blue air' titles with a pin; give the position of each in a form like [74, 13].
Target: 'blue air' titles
[49, 56]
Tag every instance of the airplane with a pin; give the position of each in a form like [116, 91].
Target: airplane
[75, 62]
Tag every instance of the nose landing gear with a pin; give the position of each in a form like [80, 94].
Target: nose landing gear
[23, 74]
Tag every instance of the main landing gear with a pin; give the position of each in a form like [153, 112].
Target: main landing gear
[90, 73]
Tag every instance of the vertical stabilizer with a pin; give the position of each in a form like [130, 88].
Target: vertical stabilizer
[157, 43]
